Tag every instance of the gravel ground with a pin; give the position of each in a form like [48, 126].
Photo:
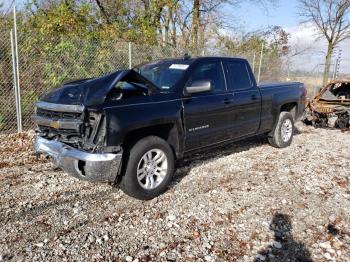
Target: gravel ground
[244, 202]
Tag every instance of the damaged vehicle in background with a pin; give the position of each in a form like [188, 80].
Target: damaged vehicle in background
[130, 127]
[331, 106]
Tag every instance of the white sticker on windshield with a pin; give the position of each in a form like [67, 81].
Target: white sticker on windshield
[178, 66]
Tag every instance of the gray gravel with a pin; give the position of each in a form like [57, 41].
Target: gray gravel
[219, 208]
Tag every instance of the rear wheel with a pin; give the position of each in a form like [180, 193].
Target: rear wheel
[149, 168]
[282, 134]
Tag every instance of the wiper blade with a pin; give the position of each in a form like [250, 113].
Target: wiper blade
[139, 85]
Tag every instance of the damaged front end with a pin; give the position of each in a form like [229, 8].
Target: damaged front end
[74, 137]
[331, 106]
[72, 125]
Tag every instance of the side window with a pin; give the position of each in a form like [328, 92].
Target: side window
[210, 71]
[238, 75]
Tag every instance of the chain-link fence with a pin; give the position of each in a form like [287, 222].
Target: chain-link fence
[43, 66]
[7, 97]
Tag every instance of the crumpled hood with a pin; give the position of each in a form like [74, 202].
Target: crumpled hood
[89, 92]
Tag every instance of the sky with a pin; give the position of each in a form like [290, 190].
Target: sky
[254, 16]
[285, 14]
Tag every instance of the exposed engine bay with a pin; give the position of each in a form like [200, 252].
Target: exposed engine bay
[71, 115]
[331, 106]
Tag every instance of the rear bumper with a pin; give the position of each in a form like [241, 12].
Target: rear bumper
[100, 167]
[300, 113]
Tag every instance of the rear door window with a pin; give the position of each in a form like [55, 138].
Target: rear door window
[238, 75]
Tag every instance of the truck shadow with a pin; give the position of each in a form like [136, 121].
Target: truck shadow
[208, 155]
[197, 159]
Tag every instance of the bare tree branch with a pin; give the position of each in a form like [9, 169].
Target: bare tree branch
[103, 11]
[331, 18]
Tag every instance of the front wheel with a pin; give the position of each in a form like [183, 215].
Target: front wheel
[149, 168]
[282, 134]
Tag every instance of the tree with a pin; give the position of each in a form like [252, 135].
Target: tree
[331, 18]
[195, 23]
[207, 14]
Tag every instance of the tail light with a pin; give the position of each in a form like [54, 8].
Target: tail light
[305, 95]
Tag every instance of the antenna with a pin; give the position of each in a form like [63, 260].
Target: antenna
[186, 56]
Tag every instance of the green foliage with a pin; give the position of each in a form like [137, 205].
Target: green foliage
[65, 18]
[249, 46]
[136, 23]
[275, 41]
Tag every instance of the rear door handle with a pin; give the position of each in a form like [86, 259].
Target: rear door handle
[254, 97]
[227, 101]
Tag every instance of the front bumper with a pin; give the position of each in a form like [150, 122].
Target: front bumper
[100, 167]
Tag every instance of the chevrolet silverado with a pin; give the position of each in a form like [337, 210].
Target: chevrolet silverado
[129, 128]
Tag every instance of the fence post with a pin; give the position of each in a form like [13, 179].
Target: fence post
[18, 97]
[130, 58]
[15, 83]
[261, 57]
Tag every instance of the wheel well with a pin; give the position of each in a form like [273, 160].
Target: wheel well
[291, 108]
[168, 132]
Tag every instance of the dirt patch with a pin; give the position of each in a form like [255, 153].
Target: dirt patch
[17, 150]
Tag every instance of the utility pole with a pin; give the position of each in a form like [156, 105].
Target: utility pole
[254, 57]
[337, 65]
[261, 58]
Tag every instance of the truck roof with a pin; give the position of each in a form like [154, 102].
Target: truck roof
[190, 59]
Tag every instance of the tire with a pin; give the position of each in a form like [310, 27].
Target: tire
[282, 134]
[150, 159]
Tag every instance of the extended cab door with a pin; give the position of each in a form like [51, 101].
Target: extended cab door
[245, 98]
[205, 113]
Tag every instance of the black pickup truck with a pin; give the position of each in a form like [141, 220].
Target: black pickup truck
[128, 128]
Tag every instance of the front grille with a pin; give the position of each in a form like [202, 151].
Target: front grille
[57, 115]
[58, 131]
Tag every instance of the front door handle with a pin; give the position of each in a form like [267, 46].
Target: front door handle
[254, 97]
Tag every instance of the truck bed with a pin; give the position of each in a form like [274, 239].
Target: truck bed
[278, 84]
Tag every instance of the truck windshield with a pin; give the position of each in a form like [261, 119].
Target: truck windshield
[164, 74]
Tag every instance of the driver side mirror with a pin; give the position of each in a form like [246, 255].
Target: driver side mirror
[199, 87]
